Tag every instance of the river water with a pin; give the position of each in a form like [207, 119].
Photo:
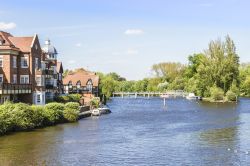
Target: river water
[140, 132]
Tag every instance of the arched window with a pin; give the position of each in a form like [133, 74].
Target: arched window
[89, 85]
[78, 84]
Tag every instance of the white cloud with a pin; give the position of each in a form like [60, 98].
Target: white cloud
[78, 44]
[7, 26]
[132, 52]
[134, 32]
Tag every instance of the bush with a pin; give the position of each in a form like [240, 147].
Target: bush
[95, 102]
[23, 117]
[216, 93]
[74, 97]
[69, 98]
[54, 113]
[6, 123]
[71, 111]
[39, 115]
[231, 96]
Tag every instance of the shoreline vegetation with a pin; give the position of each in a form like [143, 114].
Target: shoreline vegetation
[215, 74]
[23, 117]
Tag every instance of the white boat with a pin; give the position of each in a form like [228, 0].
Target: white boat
[191, 96]
[95, 112]
[164, 96]
[104, 110]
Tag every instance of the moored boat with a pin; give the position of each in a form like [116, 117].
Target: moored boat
[191, 96]
[95, 112]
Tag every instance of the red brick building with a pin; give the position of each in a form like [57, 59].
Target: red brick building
[25, 69]
[21, 73]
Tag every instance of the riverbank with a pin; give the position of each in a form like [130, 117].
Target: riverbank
[23, 117]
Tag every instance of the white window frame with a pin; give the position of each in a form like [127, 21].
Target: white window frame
[14, 63]
[1, 61]
[24, 79]
[14, 79]
[23, 59]
[39, 80]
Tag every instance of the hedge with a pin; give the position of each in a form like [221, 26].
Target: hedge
[20, 116]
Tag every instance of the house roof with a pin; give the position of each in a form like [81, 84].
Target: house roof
[83, 76]
[23, 44]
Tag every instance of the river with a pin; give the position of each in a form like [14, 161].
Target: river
[140, 132]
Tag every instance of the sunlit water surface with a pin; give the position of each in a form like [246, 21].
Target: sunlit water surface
[140, 132]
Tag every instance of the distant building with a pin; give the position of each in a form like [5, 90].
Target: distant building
[28, 73]
[82, 82]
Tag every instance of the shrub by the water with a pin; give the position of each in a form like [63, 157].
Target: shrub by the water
[6, 123]
[231, 96]
[54, 112]
[216, 94]
[23, 117]
[71, 111]
[20, 116]
[39, 116]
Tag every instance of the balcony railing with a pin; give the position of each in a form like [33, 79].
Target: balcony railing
[7, 88]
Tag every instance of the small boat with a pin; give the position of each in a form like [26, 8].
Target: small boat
[191, 96]
[95, 112]
[104, 110]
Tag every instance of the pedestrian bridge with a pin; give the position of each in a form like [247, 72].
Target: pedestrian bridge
[172, 93]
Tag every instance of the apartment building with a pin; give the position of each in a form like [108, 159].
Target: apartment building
[54, 71]
[21, 72]
[28, 73]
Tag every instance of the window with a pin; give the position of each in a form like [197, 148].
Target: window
[38, 98]
[14, 62]
[14, 79]
[1, 78]
[89, 85]
[24, 62]
[78, 84]
[38, 80]
[24, 79]
[1, 61]
[36, 63]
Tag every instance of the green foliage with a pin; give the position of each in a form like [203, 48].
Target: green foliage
[95, 102]
[216, 94]
[39, 117]
[68, 98]
[231, 96]
[23, 117]
[6, 123]
[20, 116]
[71, 111]
[168, 70]
[54, 113]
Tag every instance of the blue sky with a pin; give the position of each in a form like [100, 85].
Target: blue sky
[128, 36]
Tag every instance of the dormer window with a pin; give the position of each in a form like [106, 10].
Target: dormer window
[78, 84]
[70, 84]
[89, 85]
